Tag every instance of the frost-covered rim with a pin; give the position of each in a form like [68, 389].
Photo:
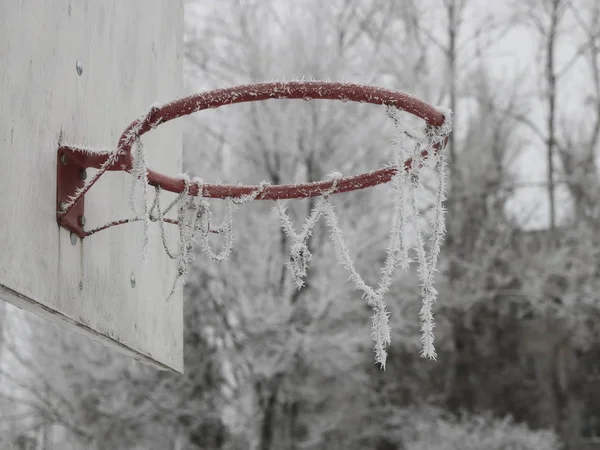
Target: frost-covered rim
[306, 90]
[122, 157]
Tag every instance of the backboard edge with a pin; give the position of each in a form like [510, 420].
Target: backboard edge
[28, 304]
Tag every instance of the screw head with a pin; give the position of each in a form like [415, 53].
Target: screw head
[83, 174]
[81, 220]
[63, 159]
[79, 67]
[132, 280]
[73, 238]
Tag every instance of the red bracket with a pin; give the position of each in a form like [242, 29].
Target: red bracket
[70, 176]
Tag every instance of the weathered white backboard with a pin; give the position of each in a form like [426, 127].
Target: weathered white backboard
[87, 69]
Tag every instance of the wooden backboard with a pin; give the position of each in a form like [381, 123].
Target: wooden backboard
[86, 70]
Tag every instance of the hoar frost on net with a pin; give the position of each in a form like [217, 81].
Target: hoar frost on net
[195, 223]
[194, 217]
[405, 184]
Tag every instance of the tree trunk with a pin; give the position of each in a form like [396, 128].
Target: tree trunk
[551, 80]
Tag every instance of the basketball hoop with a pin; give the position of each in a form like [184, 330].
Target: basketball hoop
[71, 192]
[72, 187]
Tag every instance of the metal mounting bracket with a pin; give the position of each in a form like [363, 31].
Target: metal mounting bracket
[70, 176]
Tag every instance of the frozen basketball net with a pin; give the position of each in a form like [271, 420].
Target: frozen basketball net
[416, 152]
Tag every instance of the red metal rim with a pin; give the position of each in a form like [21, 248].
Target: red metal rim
[312, 90]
